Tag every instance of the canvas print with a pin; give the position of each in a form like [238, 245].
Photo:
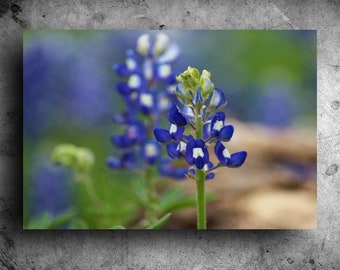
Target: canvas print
[169, 129]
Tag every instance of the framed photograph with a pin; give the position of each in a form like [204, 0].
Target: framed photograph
[169, 129]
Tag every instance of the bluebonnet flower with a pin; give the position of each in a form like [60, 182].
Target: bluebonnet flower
[167, 168]
[174, 133]
[197, 153]
[226, 159]
[217, 129]
[126, 161]
[135, 133]
[201, 105]
[50, 191]
[175, 116]
[148, 91]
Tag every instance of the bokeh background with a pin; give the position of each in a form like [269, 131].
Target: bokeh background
[269, 78]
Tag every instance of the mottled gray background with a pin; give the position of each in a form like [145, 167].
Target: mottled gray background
[309, 249]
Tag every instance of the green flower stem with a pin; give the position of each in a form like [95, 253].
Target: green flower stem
[87, 181]
[152, 200]
[200, 182]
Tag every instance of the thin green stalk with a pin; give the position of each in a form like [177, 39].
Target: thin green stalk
[87, 181]
[200, 182]
[151, 206]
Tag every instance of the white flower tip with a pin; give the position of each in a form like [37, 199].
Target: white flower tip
[226, 153]
[164, 71]
[206, 73]
[218, 125]
[143, 44]
[173, 129]
[131, 64]
[150, 150]
[206, 83]
[161, 44]
[147, 69]
[134, 81]
[146, 100]
[197, 152]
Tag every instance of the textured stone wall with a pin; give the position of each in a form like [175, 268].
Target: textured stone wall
[310, 249]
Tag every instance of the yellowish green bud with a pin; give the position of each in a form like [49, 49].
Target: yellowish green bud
[79, 158]
[205, 84]
[206, 73]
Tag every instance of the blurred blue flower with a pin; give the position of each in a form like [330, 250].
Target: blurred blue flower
[167, 168]
[148, 91]
[62, 80]
[50, 191]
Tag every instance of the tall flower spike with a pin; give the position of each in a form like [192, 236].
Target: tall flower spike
[148, 90]
[199, 101]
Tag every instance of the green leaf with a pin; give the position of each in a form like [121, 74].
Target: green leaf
[47, 221]
[79, 224]
[61, 220]
[118, 227]
[180, 203]
[158, 224]
[171, 195]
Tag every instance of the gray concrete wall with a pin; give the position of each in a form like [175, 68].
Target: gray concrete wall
[310, 249]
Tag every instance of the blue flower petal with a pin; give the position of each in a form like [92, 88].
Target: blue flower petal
[171, 79]
[217, 123]
[206, 131]
[167, 168]
[121, 70]
[175, 117]
[192, 171]
[113, 163]
[210, 165]
[177, 135]
[179, 119]
[119, 119]
[162, 135]
[200, 144]
[189, 152]
[128, 160]
[198, 97]
[170, 54]
[173, 150]
[180, 173]
[237, 159]
[121, 141]
[226, 133]
[124, 89]
[210, 176]
[136, 132]
[219, 148]
[218, 98]
[188, 137]
[199, 162]
[188, 113]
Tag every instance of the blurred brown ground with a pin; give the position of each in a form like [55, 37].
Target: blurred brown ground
[274, 189]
